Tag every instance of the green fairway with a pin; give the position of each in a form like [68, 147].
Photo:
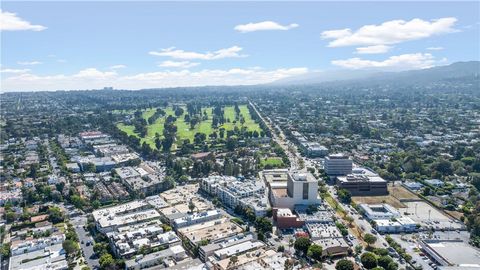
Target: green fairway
[184, 130]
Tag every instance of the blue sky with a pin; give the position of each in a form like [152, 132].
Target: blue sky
[133, 45]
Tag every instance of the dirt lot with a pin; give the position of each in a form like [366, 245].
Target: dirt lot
[395, 198]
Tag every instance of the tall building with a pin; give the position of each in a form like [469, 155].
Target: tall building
[338, 164]
[302, 189]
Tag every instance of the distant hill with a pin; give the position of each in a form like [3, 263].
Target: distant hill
[455, 71]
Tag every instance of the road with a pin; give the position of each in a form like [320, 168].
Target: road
[296, 159]
[84, 237]
[281, 140]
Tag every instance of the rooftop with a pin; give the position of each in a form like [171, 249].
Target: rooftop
[455, 252]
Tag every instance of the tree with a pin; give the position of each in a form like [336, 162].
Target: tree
[344, 264]
[288, 265]
[302, 244]
[70, 247]
[158, 143]
[369, 260]
[281, 248]
[443, 166]
[369, 239]
[191, 206]
[392, 266]
[106, 261]
[263, 225]
[100, 248]
[350, 220]
[90, 167]
[427, 191]
[344, 195]
[358, 249]
[233, 260]
[315, 252]
[383, 261]
[55, 214]
[10, 216]
[5, 250]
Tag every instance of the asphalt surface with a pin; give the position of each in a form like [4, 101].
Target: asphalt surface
[90, 257]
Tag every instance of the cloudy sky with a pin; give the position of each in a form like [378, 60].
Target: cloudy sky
[134, 45]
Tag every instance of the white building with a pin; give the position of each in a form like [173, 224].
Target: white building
[109, 219]
[302, 189]
[196, 218]
[164, 258]
[28, 246]
[403, 224]
[379, 211]
[338, 164]
[52, 257]
[233, 191]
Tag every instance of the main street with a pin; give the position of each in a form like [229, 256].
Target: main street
[295, 159]
[289, 148]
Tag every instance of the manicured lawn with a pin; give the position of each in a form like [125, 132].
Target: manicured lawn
[184, 130]
[272, 161]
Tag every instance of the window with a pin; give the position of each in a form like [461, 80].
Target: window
[305, 191]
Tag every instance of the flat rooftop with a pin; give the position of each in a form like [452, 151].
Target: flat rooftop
[213, 230]
[457, 253]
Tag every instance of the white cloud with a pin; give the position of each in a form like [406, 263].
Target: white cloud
[178, 64]
[94, 79]
[390, 32]
[335, 34]
[231, 52]
[435, 48]
[373, 49]
[10, 22]
[263, 26]
[29, 63]
[118, 66]
[94, 74]
[61, 61]
[399, 62]
[12, 70]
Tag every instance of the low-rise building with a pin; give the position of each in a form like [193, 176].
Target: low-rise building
[109, 219]
[196, 218]
[451, 254]
[210, 231]
[379, 211]
[51, 257]
[396, 225]
[363, 183]
[162, 259]
[27, 246]
[233, 192]
[285, 219]
[204, 252]
[314, 149]
[130, 241]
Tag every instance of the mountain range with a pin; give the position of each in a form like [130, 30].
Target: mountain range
[457, 71]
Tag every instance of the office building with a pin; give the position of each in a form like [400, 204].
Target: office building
[338, 164]
[363, 182]
[302, 189]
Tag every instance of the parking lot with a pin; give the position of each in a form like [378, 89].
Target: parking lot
[429, 217]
